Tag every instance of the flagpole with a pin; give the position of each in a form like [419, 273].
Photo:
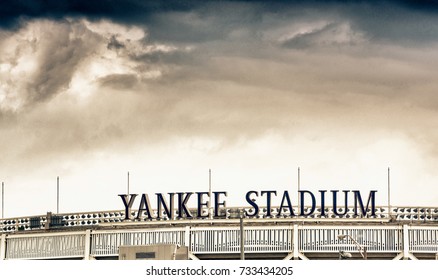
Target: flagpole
[389, 192]
[57, 195]
[3, 200]
[298, 204]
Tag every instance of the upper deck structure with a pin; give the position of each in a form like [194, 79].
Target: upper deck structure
[395, 233]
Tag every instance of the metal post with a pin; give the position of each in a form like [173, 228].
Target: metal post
[3, 200]
[295, 243]
[57, 195]
[389, 193]
[242, 238]
[240, 214]
[187, 237]
[87, 250]
[405, 242]
[298, 195]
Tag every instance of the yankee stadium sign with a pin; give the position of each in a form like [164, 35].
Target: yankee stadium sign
[174, 205]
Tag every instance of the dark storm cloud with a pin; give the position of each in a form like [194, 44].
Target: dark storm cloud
[398, 21]
[215, 29]
[235, 59]
[42, 58]
[113, 77]
[176, 20]
[126, 11]
[61, 57]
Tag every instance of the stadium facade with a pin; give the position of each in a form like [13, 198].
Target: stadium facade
[390, 233]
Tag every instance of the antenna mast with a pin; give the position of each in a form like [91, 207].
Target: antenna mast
[3, 200]
[389, 192]
[298, 196]
[57, 195]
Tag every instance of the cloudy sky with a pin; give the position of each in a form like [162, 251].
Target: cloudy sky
[251, 89]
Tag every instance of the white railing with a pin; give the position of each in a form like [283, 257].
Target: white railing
[423, 239]
[46, 246]
[373, 238]
[278, 239]
[202, 239]
[208, 240]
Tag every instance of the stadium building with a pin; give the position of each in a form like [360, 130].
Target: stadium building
[397, 233]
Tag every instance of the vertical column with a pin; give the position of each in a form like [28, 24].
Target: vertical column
[87, 250]
[3, 247]
[187, 237]
[295, 242]
[242, 239]
[405, 242]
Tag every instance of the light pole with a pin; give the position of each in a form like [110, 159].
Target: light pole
[362, 249]
[240, 214]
